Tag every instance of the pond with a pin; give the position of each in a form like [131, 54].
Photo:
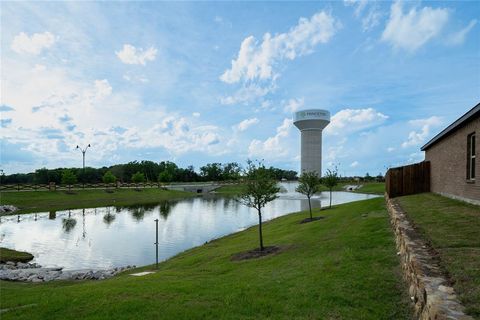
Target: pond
[118, 236]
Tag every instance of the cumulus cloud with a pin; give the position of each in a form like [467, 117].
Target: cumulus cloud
[131, 55]
[246, 94]
[418, 137]
[458, 38]
[245, 124]
[294, 105]
[196, 114]
[352, 120]
[413, 29]
[102, 88]
[273, 147]
[256, 59]
[34, 44]
[354, 164]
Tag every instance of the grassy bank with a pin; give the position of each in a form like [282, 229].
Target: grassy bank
[370, 187]
[452, 227]
[36, 201]
[342, 267]
[12, 255]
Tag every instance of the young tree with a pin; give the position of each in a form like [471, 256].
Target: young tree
[330, 180]
[108, 178]
[138, 178]
[308, 184]
[68, 178]
[260, 188]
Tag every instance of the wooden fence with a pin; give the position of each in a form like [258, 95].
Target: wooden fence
[52, 186]
[409, 179]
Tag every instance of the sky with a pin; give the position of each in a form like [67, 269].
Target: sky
[202, 82]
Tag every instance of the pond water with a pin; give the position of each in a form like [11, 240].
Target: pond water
[119, 236]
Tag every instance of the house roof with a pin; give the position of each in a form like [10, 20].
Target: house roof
[474, 112]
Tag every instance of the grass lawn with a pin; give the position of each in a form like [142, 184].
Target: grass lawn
[12, 255]
[232, 189]
[36, 201]
[372, 187]
[369, 187]
[342, 267]
[453, 229]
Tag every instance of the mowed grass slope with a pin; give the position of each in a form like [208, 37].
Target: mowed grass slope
[36, 201]
[13, 255]
[342, 267]
[453, 229]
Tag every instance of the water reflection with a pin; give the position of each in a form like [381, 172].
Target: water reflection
[116, 236]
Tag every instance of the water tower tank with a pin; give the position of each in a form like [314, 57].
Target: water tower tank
[311, 123]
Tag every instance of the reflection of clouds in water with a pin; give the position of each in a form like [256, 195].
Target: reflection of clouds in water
[129, 240]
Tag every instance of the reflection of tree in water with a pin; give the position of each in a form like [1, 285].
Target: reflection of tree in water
[52, 215]
[165, 208]
[138, 211]
[108, 217]
[68, 224]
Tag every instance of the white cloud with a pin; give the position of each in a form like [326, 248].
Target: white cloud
[358, 4]
[372, 19]
[102, 89]
[390, 149]
[131, 55]
[458, 38]
[412, 30]
[246, 94]
[294, 105]
[256, 60]
[416, 138]
[354, 164]
[274, 147]
[34, 44]
[245, 124]
[351, 120]
[196, 114]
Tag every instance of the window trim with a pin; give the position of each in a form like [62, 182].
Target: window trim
[471, 156]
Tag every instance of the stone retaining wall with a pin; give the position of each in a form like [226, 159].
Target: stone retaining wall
[429, 290]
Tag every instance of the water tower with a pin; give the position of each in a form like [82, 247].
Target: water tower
[311, 123]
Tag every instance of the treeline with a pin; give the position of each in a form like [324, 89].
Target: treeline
[164, 171]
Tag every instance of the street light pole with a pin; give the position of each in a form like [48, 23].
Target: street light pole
[83, 154]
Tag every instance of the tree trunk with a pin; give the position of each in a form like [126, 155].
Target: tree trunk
[310, 208]
[260, 229]
[330, 198]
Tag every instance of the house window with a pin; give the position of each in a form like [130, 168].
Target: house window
[471, 156]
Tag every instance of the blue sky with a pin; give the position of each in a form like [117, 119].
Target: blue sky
[199, 82]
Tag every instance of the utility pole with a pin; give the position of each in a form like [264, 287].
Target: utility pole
[83, 154]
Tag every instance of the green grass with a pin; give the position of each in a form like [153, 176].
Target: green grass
[372, 187]
[12, 255]
[232, 189]
[36, 201]
[342, 267]
[453, 229]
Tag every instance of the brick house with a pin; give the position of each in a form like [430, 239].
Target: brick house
[455, 171]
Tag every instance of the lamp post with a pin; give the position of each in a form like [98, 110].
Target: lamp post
[83, 153]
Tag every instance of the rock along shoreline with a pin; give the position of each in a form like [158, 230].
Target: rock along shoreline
[33, 272]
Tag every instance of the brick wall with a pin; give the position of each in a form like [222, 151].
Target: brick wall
[448, 159]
